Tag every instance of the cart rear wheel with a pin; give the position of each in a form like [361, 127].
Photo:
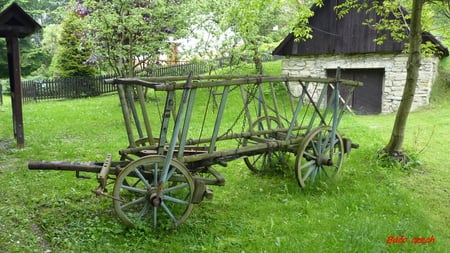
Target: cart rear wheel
[267, 160]
[319, 158]
[142, 196]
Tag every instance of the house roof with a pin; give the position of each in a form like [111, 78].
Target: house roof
[347, 35]
[14, 21]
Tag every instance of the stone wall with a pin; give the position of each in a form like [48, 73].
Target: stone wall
[394, 66]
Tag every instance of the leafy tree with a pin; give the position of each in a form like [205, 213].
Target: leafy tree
[49, 46]
[72, 54]
[238, 29]
[441, 15]
[395, 145]
[397, 29]
[132, 34]
[33, 57]
[253, 23]
[47, 11]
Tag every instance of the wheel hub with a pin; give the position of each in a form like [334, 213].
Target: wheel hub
[154, 196]
[155, 200]
[324, 160]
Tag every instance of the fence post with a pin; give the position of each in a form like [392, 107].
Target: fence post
[1, 94]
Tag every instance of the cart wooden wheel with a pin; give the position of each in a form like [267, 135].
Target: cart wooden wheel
[264, 161]
[142, 196]
[319, 157]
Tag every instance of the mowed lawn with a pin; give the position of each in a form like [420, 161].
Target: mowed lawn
[371, 207]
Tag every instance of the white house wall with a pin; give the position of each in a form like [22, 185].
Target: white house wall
[394, 66]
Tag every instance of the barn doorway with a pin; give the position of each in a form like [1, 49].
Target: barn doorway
[366, 99]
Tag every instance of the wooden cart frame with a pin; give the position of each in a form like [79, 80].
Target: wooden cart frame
[163, 172]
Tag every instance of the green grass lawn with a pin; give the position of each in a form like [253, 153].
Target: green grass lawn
[366, 207]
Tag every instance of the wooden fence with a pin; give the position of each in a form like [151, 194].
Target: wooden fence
[78, 87]
[178, 69]
[60, 88]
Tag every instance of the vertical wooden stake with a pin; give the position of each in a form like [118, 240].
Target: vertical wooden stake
[16, 89]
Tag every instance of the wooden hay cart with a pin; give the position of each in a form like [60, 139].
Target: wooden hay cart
[269, 121]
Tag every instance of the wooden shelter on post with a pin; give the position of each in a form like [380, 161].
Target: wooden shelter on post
[15, 23]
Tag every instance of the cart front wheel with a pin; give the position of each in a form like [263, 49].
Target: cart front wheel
[320, 156]
[144, 194]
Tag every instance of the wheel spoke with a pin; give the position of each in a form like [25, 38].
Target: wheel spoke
[139, 174]
[282, 158]
[332, 147]
[319, 142]
[132, 203]
[177, 187]
[133, 189]
[155, 217]
[164, 206]
[308, 155]
[313, 175]
[257, 159]
[326, 141]
[155, 174]
[314, 147]
[170, 173]
[337, 153]
[136, 183]
[308, 164]
[311, 170]
[324, 170]
[264, 161]
[175, 200]
[144, 210]
[270, 158]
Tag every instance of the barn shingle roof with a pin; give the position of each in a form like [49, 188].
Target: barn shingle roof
[347, 35]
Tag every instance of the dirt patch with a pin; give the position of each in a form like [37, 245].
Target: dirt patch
[40, 235]
[6, 144]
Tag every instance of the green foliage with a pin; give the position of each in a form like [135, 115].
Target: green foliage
[393, 20]
[72, 53]
[31, 57]
[441, 87]
[239, 30]
[270, 68]
[301, 29]
[401, 161]
[439, 15]
[44, 12]
[253, 23]
[131, 34]
[3, 60]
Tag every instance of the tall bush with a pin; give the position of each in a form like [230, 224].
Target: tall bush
[73, 52]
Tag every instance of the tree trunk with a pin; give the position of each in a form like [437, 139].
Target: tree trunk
[258, 61]
[394, 147]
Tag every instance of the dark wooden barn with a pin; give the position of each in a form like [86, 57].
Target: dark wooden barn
[350, 44]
